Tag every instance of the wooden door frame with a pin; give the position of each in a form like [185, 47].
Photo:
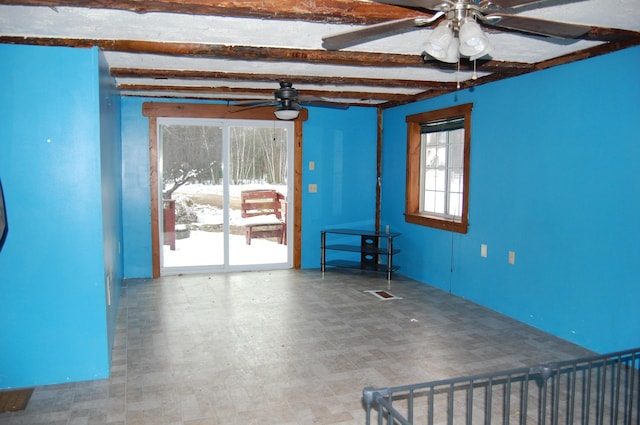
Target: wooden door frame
[155, 110]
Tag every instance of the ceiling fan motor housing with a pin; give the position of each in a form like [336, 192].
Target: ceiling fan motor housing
[461, 10]
[286, 92]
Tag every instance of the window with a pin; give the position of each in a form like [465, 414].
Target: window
[438, 145]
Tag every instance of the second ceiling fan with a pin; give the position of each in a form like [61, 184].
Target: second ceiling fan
[290, 102]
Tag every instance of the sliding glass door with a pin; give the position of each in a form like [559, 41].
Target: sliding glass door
[206, 168]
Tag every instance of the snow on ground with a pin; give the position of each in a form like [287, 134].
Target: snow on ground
[210, 215]
[234, 190]
[207, 248]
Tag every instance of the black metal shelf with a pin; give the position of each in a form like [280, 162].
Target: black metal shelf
[375, 249]
[358, 265]
[354, 248]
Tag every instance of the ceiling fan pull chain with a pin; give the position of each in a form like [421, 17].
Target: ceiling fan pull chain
[474, 76]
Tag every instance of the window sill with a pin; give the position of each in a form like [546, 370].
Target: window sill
[437, 223]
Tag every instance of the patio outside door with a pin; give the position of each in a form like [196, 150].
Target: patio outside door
[204, 166]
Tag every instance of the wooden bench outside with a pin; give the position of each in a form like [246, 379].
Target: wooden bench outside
[264, 214]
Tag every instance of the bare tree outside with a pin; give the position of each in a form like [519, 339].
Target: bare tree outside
[190, 154]
[258, 155]
[193, 154]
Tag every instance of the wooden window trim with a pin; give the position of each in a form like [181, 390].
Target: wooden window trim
[412, 197]
[154, 110]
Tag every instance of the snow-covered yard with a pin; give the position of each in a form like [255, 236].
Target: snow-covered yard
[204, 248]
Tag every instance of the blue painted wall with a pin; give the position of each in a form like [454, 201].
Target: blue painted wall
[111, 175]
[342, 145]
[554, 177]
[53, 310]
[136, 189]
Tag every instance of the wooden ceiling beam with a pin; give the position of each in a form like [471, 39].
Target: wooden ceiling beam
[219, 51]
[321, 11]
[201, 96]
[270, 78]
[325, 11]
[268, 54]
[267, 93]
[600, 49]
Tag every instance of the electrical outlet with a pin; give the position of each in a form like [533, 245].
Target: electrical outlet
[483, 250]
[312, 165]
[313, 188]
[512, 257]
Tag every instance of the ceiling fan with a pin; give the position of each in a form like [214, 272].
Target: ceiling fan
[289, 102]
[458, 32]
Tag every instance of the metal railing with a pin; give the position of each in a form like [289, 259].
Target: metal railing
[596, 390]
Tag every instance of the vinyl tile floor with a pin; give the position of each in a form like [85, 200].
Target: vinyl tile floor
[282, 347]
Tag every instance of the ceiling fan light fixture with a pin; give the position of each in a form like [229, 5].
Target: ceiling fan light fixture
[452, 52]
[286, 113]
[487, 49]
[473, 42]
[439, 41]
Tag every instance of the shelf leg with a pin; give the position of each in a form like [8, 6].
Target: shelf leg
[389, 260]
[323, 240]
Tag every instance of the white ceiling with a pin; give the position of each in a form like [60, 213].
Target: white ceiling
[63, 22]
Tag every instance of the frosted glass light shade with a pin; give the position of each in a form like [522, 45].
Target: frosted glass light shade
[286, 114]
[438, 42]
[452, 52]
[488, 48]
[473, 42]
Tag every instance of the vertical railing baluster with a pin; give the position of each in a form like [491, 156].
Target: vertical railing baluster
[542, 401]
[571, 399]
[602, 386]
[450, 404]
[390, 415]
[555, 400]
[524, 401]
[587, 399]
[488, 393]
[616, 390]
[470, 403]
[632, 370]
[410, 406]
[431, 402]
[506, 407]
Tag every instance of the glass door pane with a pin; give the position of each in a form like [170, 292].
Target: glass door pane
[209, 170]
[192, 186]
[258, 180]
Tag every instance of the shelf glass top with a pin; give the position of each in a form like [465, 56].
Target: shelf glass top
[362, 232]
